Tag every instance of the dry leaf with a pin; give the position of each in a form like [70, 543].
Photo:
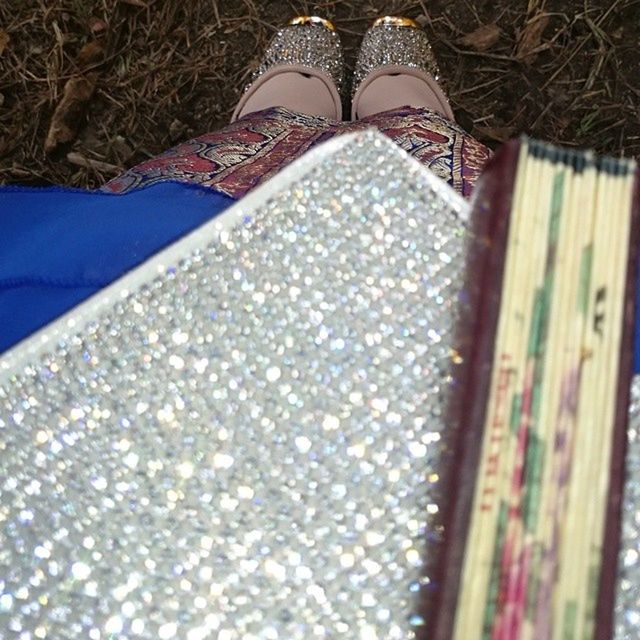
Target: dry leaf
[482, 38]
[4, 40]
[530, 37]
[91, 53]
[68, 114]
[136, 3]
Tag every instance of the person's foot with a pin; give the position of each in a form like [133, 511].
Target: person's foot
[396, 68]
[302, 70]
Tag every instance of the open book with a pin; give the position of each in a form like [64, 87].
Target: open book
[350, 406]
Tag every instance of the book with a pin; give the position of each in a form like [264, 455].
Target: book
[546, 351]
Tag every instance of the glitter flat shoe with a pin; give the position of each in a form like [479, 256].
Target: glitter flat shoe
[396, 67]
[302, 66]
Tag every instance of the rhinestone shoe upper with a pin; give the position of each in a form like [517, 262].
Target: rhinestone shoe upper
[396, 42]
[306, 42]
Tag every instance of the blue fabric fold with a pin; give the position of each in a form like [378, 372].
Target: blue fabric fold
[60, 246]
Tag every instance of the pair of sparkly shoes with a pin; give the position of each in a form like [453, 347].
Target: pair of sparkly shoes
[303, 70]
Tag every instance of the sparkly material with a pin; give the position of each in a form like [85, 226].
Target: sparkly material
[627, 612]
[243, 438]
[310, 46]
[244, 154]
[391, 45]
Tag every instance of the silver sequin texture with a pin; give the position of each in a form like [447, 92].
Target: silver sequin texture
[249, 445]
[309, 46]
[627, 613]
[394, 45]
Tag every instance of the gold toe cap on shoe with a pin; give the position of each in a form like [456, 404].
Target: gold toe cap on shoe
[396, 21]
[312, 20]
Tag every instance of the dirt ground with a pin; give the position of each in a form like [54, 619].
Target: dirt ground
[130, 78]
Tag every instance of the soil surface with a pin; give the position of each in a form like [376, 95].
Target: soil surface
[91, 87]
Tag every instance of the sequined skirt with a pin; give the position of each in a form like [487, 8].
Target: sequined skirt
[242, 155]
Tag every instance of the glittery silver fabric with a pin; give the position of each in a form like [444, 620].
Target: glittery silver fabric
[393, 45]
[627, 613]
[311, 46]
[243, 438]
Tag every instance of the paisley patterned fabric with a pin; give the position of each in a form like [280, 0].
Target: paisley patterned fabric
[240, 156]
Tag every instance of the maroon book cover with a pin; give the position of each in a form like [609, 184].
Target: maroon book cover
[475, 339]
[607, 588]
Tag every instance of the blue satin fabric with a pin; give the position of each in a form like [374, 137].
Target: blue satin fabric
[60, 246]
